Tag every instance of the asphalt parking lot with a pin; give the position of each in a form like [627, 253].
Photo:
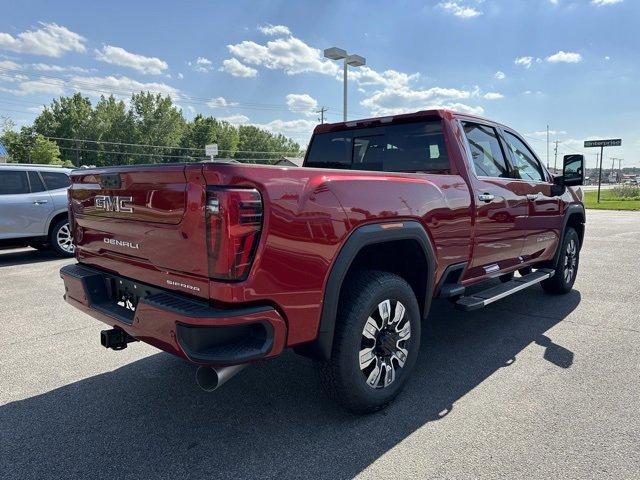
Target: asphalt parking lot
[535, 386]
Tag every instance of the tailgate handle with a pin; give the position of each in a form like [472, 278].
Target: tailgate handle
[110, 180]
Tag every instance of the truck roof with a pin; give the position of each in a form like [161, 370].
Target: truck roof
[421, 114]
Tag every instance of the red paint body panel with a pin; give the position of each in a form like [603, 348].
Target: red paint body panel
[308, 213]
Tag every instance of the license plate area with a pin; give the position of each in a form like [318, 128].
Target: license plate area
[122, 297]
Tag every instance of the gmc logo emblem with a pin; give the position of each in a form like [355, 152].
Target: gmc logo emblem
[113, 204]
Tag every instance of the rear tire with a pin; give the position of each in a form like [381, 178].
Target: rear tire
[566, 269]
[61, 240]
[376, 342]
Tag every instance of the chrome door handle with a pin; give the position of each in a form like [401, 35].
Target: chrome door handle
[485, 197]
[532, 196]
[40, 202]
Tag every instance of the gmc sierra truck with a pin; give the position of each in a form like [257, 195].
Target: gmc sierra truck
[228, 264]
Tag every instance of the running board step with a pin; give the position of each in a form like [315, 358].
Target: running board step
[493, 294]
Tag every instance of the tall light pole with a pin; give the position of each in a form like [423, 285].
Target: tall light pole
[335, 53]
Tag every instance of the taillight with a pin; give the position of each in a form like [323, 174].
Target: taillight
[234, 222]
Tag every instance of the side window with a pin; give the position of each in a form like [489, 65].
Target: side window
[330, 150]
[488, 158]
[56, 180]
[526, 165]
[36, 182]
[13, 182]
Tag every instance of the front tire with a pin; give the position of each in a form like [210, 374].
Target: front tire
[61, 239]
[566, 269]
[376, 342]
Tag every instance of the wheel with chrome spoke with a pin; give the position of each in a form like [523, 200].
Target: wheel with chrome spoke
[383, 345]
[376, 341]
[61, 239]
[566, 268]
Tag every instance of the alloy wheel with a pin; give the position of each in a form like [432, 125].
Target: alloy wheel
[383, 347]
[570, 260]
[65, 239]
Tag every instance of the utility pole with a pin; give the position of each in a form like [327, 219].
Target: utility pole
[555, 161]
[321, 112]
[547, 147]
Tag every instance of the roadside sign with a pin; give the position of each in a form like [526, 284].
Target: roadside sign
[615, 142]
[612, 142]
[211, 150]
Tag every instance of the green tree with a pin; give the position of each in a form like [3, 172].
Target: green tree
[69, 117]
[113, 123]
[206, 130]
[265, 144]
[156, 122]
[45, 151]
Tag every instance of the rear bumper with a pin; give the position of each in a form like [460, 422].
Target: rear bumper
[176, 323]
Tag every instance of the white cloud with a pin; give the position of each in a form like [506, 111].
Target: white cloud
[543, 133]
[300, 126]
[9, 65]
[238, 69]
[564, 57]
[51, 86]
[119, 56]
[220, 102]
[500, 75]
[44, 67]
[202, 65]
[601, 3]
[291, 54]
[394, 101]
[119, 86]
[607, 58]
[302, 102]
[492, 96]
[460, 10]
[366, 76]
[237, 119]
[50, 40]
[523, 61]
[269, 29]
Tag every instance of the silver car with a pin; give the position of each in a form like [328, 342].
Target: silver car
[33, 207]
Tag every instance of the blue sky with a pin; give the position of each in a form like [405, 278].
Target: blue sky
[571, 64]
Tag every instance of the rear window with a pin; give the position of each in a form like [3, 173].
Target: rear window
[410, 147]
[56, 180]
[13, 182]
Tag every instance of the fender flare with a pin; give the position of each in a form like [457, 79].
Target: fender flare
[571, 209]
[361, 237]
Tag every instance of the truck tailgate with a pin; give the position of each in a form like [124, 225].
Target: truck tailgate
[143, 222]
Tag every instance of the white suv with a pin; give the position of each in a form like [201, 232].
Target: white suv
[33, 207]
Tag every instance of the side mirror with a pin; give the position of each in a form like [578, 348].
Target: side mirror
[573, 170]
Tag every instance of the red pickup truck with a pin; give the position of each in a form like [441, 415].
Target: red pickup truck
[228, 264]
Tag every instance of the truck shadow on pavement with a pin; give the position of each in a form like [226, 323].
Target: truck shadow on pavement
[148, 419]
[13, 257]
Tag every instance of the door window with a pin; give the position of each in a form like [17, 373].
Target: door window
[56, 180]
[13, 182]
[526, 165]
[36, 182]
[486, 152]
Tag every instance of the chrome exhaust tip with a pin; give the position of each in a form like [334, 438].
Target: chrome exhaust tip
[211, 378]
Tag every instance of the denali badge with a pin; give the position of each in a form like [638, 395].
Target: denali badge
[183, 285]
[114, 204]
[122, 243]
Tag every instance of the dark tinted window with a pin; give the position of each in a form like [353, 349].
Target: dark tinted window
[56, 180]
[526, 166]
[13, 182]
[411, 147]
[488, 158]
[36, 182]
